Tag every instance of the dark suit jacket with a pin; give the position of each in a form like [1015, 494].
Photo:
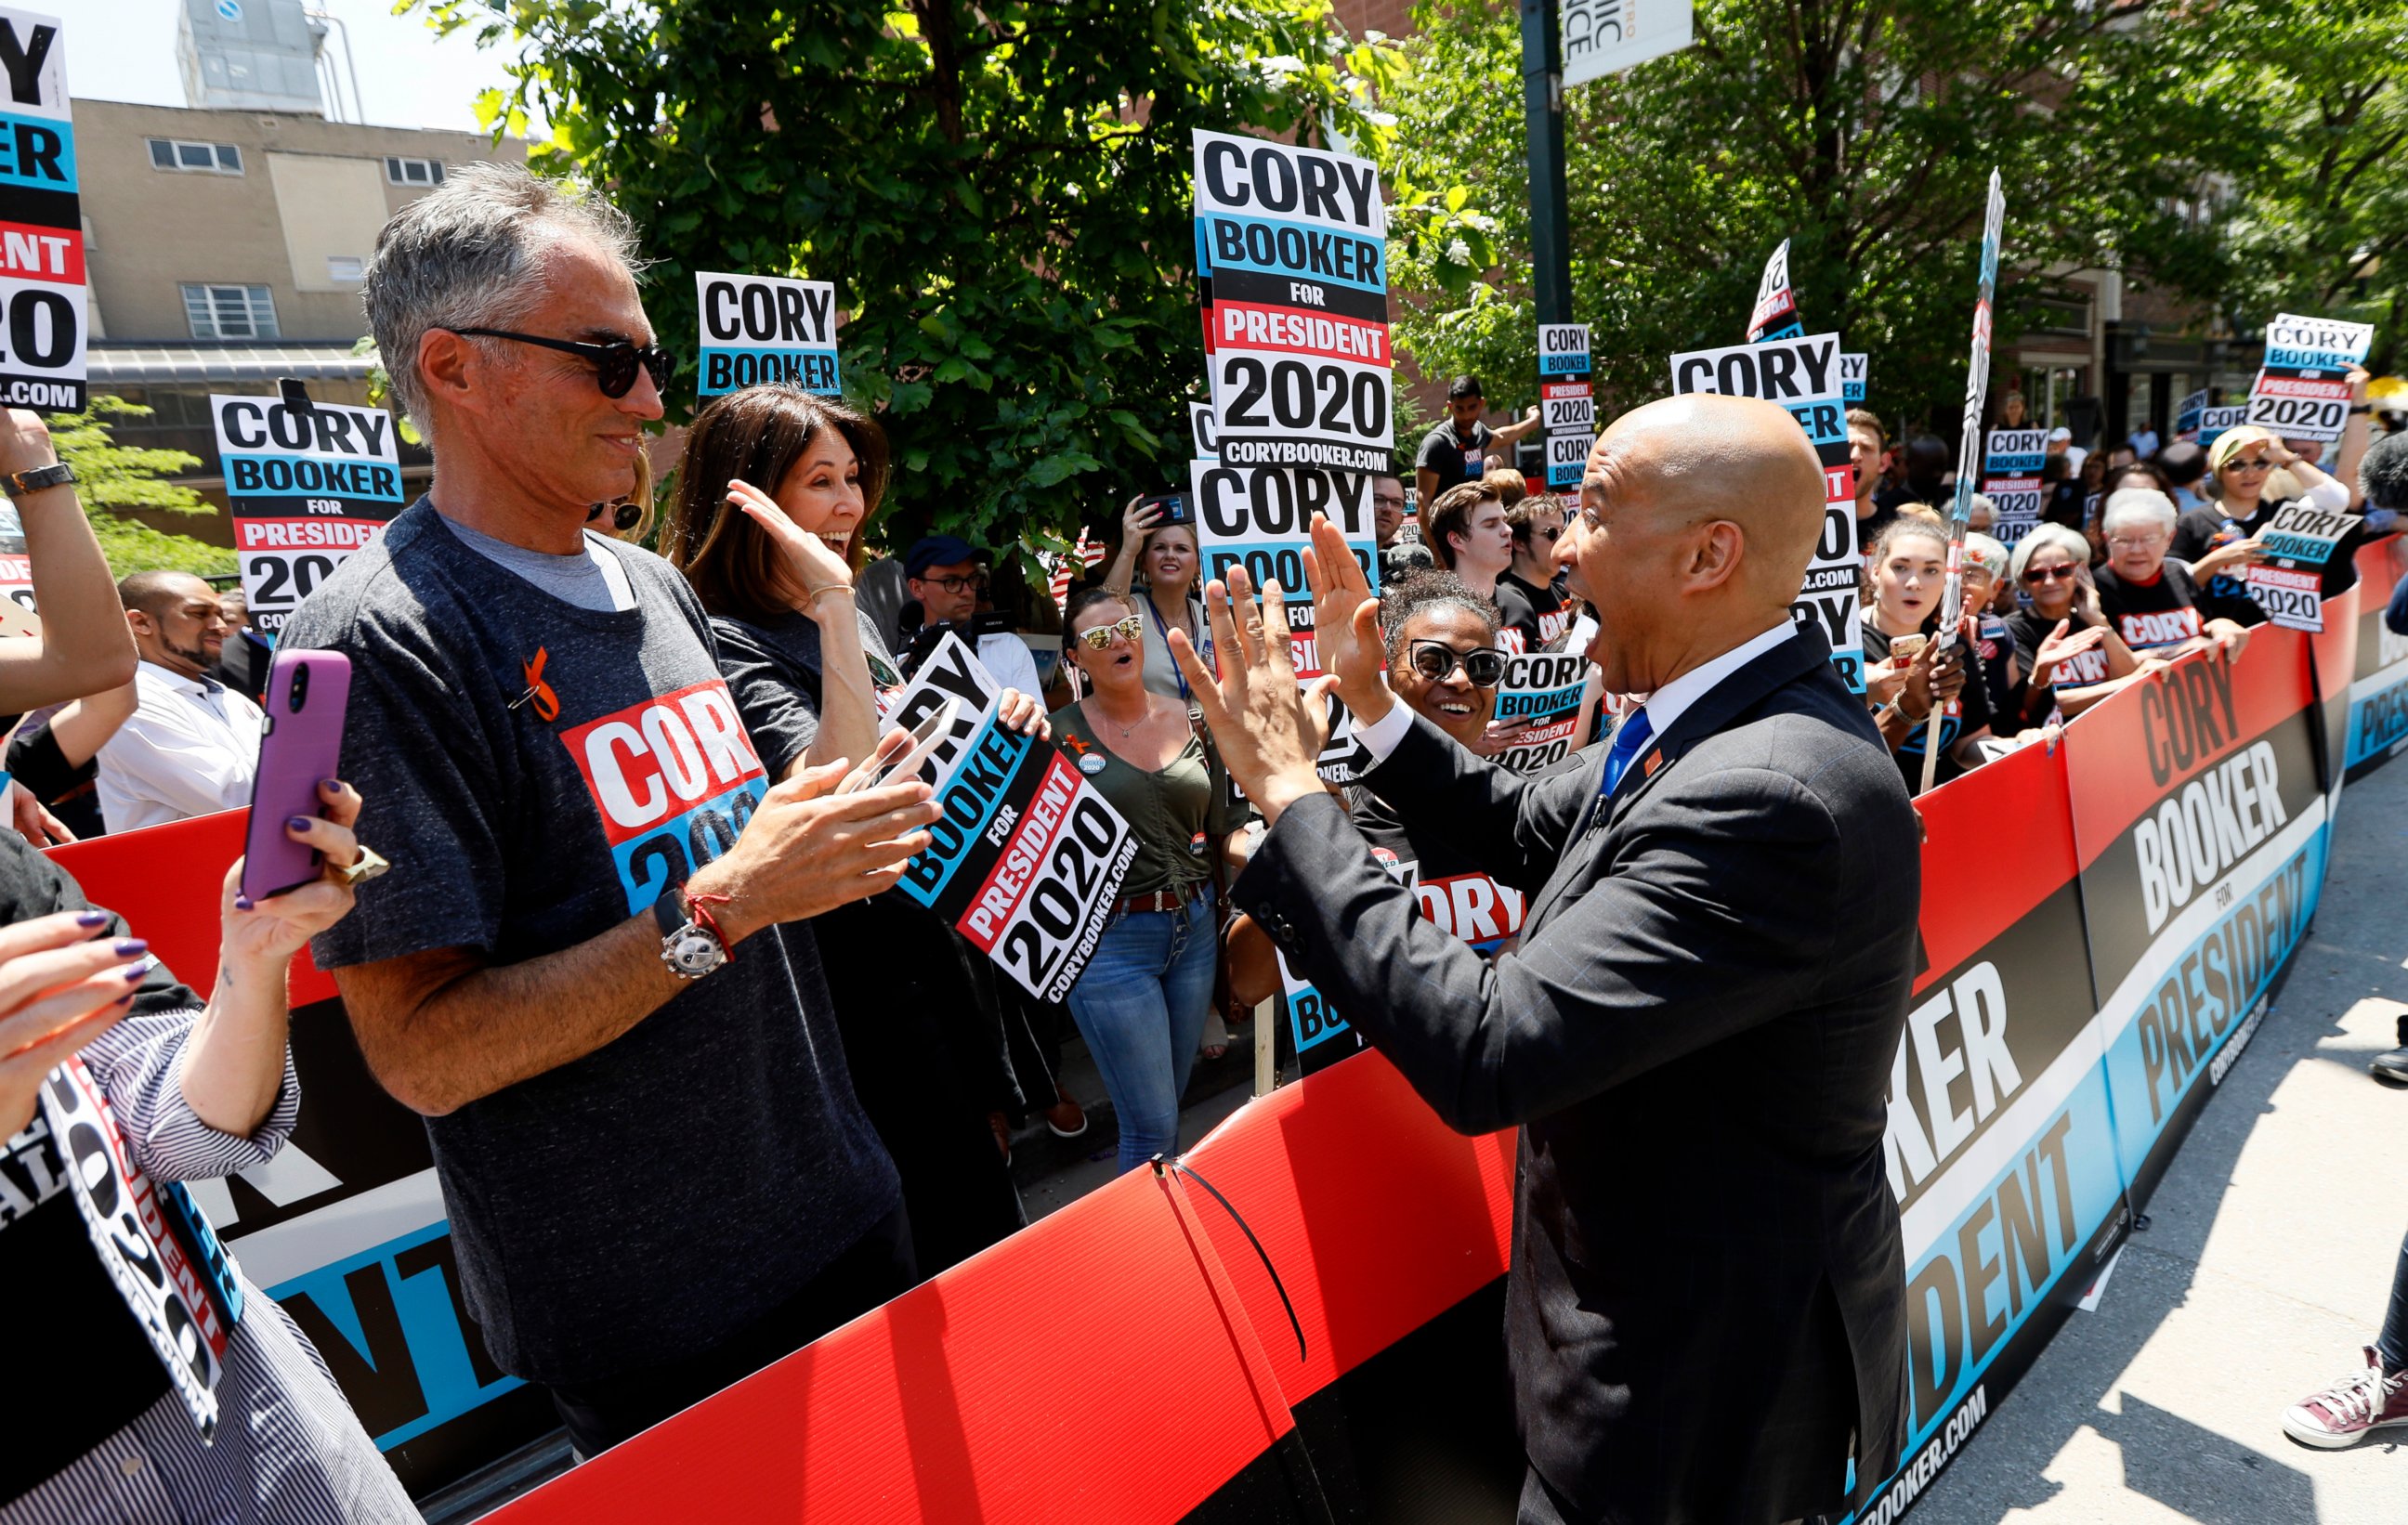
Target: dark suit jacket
[1708, 1292]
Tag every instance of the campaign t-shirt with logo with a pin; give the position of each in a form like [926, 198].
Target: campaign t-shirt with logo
[2203, 530]
[2168, 611]
[539, 773]
[1968, 712]
[1456, 896]
[2078, 671]
[1534, 615]
[1456, 458]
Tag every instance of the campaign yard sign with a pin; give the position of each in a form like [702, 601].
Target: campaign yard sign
[759, 329]
[43, 323]
[2290, 584]
[1852, 372]
[1027, 859]
[1294, 243]
[2302, 390]
[308, 486]
[1567, 403]
[2187, 414]
[1200, 424]
[1261, 518]
[2011, 463]
[1802, 374]
[1554, 692]
[1775, 313]
[2213, 422]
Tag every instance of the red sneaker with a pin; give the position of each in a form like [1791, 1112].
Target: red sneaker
[2351, 1409]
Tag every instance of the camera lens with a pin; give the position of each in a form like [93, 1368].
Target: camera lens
[300, 689]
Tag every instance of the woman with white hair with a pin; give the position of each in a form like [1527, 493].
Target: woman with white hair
[2154, 600]
[2070, 656]
[2243, 467]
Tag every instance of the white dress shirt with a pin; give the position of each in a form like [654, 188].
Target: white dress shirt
[189, 748]
[1664, 707]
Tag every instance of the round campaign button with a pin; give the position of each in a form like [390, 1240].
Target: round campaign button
[1092, 764]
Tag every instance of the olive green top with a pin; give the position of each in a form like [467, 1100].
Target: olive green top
[1166, 811]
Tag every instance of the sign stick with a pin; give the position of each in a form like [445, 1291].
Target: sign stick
[1266, 1051]
[1969, 462]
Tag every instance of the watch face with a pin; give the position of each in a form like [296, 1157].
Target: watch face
[692, 951]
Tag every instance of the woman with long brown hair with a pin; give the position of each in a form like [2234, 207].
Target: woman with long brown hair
[774, 491]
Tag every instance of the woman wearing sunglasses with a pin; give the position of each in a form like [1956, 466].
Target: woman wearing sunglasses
[1143, 998]
[2070, 655]
[2241, 466]
[1445, 662]
[774, 491]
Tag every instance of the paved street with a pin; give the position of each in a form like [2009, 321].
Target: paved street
[2266, 1264]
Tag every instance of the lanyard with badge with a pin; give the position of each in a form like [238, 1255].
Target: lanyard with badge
[1203, 652]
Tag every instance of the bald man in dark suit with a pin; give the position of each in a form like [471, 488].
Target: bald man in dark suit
[1706, 1313]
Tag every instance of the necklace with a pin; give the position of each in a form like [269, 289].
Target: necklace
[1098, 711]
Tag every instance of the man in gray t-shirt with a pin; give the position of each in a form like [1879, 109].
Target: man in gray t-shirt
[589, 967]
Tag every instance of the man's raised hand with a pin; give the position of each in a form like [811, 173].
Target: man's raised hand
[1253, 707]
[1346, 623]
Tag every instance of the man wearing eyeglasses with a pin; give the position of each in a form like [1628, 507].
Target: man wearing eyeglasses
[949, 580]
[589, 968]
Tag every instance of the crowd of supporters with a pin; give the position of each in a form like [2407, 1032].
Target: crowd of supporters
[658, 1177]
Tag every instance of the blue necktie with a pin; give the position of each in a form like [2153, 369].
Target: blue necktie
[1634, 734]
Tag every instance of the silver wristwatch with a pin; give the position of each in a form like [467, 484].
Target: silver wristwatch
[688, 950]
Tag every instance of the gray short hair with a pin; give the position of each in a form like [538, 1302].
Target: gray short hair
[471, 253]
[2137, 505]
[2043, 536]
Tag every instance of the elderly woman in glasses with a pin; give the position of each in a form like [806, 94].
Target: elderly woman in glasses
[1142, 1000]
[2069, 656]
[2243, 467]
[2156, 601]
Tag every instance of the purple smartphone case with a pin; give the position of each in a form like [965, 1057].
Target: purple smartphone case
[302, 745]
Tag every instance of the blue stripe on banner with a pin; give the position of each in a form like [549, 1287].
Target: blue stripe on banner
[1294, 249]
[968, 812]
[1851, 392]
[310, 476]
[2378, 721]
[2202, 997]
[1564, 473]
[415, 1334]
[1312, 1020]
[38, 152]
[732, 370]
[2311, 360]
[1789, 330]
[1563, 364]
[2013, 465]
[1824, 423]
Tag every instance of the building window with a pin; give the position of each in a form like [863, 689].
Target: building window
[230, 312]
[195, 158]
[413, 171]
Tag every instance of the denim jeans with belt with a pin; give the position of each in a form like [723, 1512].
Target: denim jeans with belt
[1141, 1004]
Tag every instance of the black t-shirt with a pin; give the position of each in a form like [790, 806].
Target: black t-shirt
[2079, 671]
[1454, 457]
[1534, 615]
[649, 1200]
[2201, 530]
[2168, 611]
[1456, 894]
[1968, 712]
[1869, 529]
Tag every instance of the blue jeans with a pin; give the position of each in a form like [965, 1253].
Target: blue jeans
[1141, 1003]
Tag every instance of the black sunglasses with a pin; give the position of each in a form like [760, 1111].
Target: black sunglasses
[614, 364]
[2046, 574]
[1434, 660]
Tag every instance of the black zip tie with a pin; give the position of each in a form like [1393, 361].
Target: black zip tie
[1161, 1162]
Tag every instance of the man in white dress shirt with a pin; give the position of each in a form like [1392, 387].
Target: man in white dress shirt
[192, 744]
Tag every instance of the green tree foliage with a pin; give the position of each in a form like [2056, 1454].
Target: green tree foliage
[2317, 219]
[1862, 130]
[1000, 192]
[111, 479]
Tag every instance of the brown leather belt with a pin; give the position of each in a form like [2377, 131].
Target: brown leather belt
[1157, 900]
